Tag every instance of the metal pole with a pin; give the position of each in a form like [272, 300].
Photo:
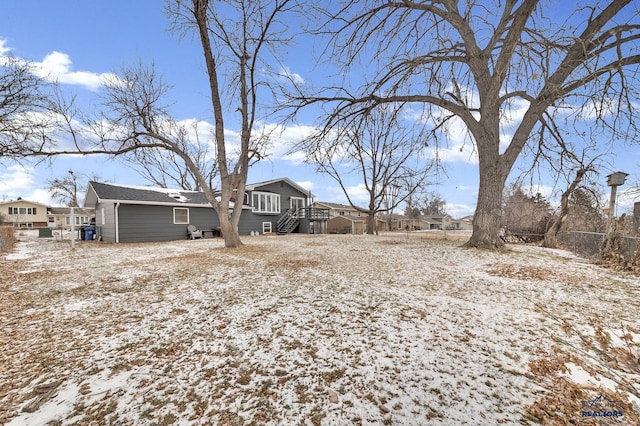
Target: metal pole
[73, 230]
[612, 207]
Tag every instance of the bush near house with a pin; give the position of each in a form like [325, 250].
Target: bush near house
[7, 238]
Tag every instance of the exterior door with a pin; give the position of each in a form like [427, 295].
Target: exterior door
[297, 203]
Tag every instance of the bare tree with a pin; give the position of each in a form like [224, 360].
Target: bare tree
[238, 39]
[512, 70]
[167, 169]
[432, 204]
[24, 99]
[379, 151]
[66, 188]
[573, 163]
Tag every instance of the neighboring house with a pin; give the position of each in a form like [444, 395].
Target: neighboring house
[464, 223]
[438, 221]
[23, 214]
[336, 209]
[433, 222]
[60, 217]
[413, 224]
[137, 214]
[343, 219]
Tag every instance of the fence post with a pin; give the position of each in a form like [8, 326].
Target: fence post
[574, 241]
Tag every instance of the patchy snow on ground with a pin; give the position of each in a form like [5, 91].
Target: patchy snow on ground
[312, 330]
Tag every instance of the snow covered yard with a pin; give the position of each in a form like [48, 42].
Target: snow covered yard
[313, 329]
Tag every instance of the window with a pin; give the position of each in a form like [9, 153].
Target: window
[180, 216]
[266, 227]
[10, 210]
[52, 219]
[23, 210]
[266, 203]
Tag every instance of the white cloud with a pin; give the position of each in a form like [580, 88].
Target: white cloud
[42, 196]
[286, 73]
[306, 184]
[56, 66]
[4, 49]
[357, 193]
[546, 191]
[16, 181]
[283, 139]
[459, 210]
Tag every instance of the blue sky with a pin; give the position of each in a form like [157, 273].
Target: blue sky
[80, 40]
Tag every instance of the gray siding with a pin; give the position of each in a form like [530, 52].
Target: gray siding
[143, 222]
[139, 223]
[106, 231]
[254, 221]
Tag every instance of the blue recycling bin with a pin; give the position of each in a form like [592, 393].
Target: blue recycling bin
[88, 233]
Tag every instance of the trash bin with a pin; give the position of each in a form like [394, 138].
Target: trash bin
[88, 233]
[82, 232]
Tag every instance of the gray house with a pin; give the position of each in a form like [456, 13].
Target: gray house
[138, 214]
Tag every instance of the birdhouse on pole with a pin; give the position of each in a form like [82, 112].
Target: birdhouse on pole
[617, 178]
[614, 180]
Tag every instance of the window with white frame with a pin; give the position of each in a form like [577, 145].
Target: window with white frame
[265, 202]
[180, 216]
[266, 227]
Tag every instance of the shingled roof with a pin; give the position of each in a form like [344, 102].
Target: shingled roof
[143, 195]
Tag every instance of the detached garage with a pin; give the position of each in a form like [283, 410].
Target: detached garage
[346, 225]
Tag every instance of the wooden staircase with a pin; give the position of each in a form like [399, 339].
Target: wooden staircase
[287, 222]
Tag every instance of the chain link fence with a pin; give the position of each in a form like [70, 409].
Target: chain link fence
[589, 244]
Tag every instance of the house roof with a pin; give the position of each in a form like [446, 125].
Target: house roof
[98, 191]
[254, 186]
[336, 205]
[348, 217]
[128, 194]
[67, 210]
[22, 201]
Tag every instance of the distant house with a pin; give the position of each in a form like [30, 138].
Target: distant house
[23, 214]
[422, 223]
[60, 217]
[438, 221]
[138, 214]
[464, 223]
[343, 219]
[336, 209]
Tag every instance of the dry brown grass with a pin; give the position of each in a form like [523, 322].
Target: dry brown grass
[332, 329]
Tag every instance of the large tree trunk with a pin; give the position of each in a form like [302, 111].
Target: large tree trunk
[486, 220]
[371, 223]
[229, 231]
